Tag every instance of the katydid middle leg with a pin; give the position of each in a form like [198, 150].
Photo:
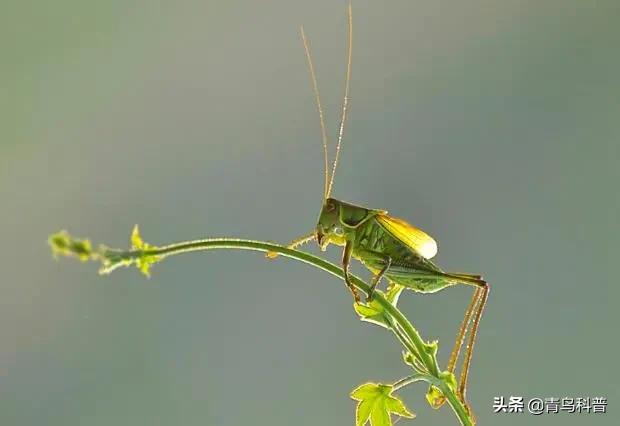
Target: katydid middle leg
[381, 259]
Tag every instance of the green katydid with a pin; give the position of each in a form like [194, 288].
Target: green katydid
[389, 247]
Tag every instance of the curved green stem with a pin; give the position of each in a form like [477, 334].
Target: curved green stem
[143, 255]
[419, 377]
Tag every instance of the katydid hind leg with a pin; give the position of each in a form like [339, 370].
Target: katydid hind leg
[484, 294]
[460, 338]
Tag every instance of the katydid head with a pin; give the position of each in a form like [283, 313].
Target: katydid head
[338, 222]
[329, 229]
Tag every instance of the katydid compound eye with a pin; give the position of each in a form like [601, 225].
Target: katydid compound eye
[330, 207]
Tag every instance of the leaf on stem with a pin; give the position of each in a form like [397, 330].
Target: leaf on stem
[373, 312]
[414, 362]
[393, 292]
[63, 244]
[144, 260]
[376, 404]
[435, 396]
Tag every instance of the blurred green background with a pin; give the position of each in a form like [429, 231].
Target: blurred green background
[492, 125]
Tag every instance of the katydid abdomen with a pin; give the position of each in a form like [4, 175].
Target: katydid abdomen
[374, 245]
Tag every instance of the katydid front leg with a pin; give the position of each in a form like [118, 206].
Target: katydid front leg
[293, 244]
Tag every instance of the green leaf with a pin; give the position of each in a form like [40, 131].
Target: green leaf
[413, 361]
[373, 313]
[393, 292]
[408, 358]
[431, 348]
[376, 403]
[396, 406]
[368, 311]
[62, 244]
[435, 397]
[144, 260]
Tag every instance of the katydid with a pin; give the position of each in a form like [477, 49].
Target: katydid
[389, 247]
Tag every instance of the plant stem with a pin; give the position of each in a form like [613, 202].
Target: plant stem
[402, 328]
[412, 379]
